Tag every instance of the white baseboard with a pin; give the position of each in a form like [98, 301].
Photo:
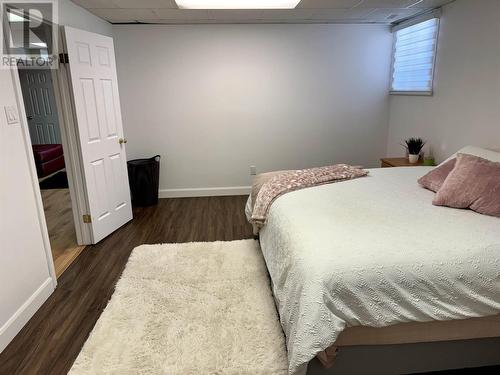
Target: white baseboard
[17, 321]
[205, 192]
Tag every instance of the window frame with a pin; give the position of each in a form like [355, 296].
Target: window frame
[411, 22]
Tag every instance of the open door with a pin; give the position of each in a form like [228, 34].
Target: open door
[99, 128]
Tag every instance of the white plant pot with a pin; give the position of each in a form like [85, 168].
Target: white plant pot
[413, 159]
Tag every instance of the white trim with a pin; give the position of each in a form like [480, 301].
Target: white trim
[436, 13]
[34, 177]
[412, 93]
[17, 321]
[205, 192]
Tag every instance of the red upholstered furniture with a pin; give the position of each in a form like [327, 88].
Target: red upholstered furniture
[48, 159]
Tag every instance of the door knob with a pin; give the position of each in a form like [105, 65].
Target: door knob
[30, 118]
[122, 141]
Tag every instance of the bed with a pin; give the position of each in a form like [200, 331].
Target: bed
[49, 158]
[349, 258]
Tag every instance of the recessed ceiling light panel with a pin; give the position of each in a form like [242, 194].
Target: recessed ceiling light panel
[237, 4]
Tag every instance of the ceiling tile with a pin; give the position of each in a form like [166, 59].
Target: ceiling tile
[392, 15]
[235, 15]
[431, 3]
[328, 4]
[286, 14]
[182, 14]
[329, 14]
[124, 15]
[359, 13]
[345, 11]
[145, 4]
[386, 3]
[95, 4]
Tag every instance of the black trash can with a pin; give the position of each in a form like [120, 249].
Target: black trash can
[144, 178]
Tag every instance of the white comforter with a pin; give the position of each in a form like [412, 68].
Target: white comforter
[374, 251]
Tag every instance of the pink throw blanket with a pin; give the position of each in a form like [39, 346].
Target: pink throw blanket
[289, 181]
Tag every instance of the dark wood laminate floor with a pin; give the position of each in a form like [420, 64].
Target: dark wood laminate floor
[52, 339]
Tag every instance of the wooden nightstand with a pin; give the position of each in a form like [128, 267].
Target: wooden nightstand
[398, 162]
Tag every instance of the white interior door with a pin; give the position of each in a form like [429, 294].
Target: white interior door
[94, 84]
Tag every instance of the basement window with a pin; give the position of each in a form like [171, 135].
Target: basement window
[414, 56]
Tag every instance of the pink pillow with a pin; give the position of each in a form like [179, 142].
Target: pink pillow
[435, 178]
[474, 183]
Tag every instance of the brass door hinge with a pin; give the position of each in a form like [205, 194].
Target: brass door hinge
[87, 219]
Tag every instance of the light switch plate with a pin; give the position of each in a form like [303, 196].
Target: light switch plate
[11, 114]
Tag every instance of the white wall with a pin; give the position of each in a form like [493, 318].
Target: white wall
[73, 15]
[215, 99]
[465, 108]
[25, 280]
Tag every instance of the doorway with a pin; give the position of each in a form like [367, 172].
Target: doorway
[73, 128]
[44, 127]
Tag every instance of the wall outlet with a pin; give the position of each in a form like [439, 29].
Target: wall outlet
[253, 170]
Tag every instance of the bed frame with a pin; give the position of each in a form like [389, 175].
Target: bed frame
[418, 358]
[454, 332]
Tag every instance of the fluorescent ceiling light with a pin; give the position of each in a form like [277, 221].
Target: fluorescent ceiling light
[237, 4]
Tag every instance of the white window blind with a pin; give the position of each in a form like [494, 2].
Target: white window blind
[414, 57]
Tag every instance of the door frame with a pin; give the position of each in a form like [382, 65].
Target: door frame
[122, 212]
[70, 141]
[69, 136]
[34, 176]
[72, 155]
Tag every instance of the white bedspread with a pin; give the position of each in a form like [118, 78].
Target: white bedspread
[374, 251]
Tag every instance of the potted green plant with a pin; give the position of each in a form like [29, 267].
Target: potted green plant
[414, 147]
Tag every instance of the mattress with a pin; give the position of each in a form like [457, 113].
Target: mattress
[375, 252]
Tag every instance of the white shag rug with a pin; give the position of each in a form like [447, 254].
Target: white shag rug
[192, 308]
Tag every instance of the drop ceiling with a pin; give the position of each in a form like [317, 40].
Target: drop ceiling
[308, 11]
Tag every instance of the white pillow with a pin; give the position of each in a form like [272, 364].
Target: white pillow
[477, 151]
